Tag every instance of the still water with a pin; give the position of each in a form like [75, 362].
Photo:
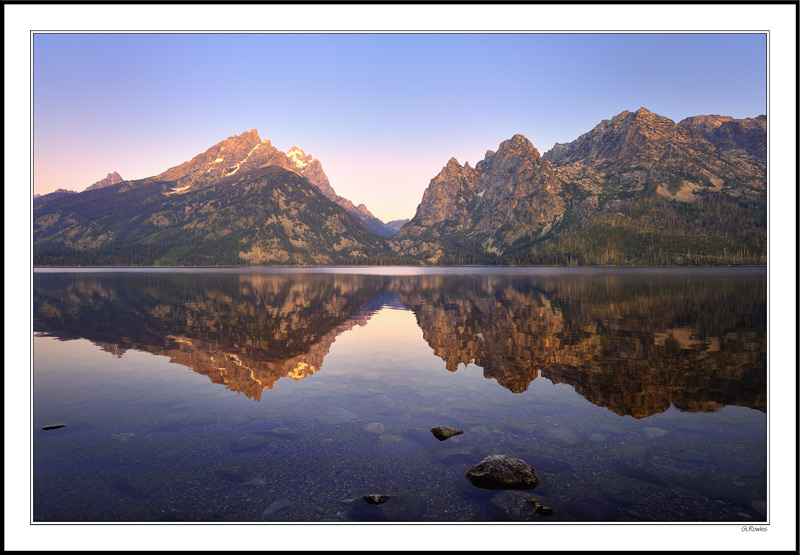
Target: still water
[287, 396]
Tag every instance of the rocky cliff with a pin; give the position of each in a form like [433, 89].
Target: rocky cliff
[511, 194]
[746, 137]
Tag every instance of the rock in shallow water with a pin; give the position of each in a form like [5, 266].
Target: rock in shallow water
[502, 472]
[517, 506]
[376, 498]
[443, 432]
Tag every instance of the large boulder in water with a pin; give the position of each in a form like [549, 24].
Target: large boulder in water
[443, 432]
[502, 472]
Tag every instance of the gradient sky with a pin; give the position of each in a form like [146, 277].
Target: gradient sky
[382, 112]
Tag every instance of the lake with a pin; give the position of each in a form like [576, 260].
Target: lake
[263, 395]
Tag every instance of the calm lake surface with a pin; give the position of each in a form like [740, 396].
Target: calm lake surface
[286, 396]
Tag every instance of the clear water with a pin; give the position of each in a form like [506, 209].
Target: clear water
[269, 395]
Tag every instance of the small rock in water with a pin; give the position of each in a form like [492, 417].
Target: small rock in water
[376, 498]
[597, 438]
[443, 432]
[375, 428]
[655, 432]
[276, 506]
[56, 427]
[502, 472]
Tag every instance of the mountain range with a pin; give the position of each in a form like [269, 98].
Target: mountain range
[636, 189]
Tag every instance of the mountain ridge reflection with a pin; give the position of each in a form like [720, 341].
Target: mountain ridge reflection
[631, 343]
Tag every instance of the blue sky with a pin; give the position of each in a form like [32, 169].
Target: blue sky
[382, 112]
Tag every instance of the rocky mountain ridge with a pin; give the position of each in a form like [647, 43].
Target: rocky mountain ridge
[637, 188]
[246, 152]
[510, 193]
[265, 216]
[111, 179]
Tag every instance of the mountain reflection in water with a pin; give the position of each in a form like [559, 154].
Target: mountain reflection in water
[633, 342]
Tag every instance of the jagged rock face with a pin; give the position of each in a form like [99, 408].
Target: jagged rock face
[111, 179]
[448, 201]
[511, 194]
[311, 168]
[235, 155]
[745, 137]
[641, 149]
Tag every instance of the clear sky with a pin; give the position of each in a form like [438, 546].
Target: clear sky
[382, 112]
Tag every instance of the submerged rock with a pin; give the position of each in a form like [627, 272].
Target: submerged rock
[276, 506]
[502, 472]
[538, 508]
[388, 439]
[443, 432]
[376, 499]
[517, 506]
